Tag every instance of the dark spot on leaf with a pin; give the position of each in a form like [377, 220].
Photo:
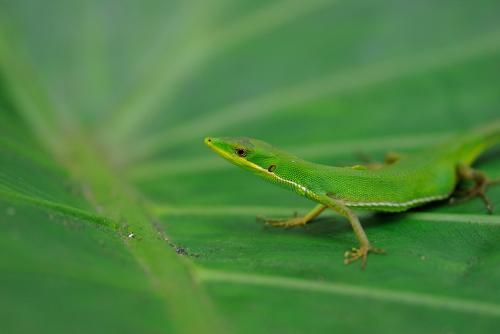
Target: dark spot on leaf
[180, 250]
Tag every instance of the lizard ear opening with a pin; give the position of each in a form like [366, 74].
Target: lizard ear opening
[271, 168]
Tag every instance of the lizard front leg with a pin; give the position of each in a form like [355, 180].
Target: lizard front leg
[296, 221]
[365, 246]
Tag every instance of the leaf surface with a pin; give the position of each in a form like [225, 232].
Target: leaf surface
[114, 217]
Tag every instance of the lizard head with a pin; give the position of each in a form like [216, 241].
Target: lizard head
[264, 160]
[252, 154]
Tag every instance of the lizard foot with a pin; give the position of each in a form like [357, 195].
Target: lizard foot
[361, 253]
[286, 223]
[478, 190]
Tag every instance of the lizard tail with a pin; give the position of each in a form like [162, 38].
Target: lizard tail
[475, 142]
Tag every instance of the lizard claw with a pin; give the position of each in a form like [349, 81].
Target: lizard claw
[360, 253]
[481, 184]
[478, 190]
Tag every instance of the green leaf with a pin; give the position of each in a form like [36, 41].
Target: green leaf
[115, 218]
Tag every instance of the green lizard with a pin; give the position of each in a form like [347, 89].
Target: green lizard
[404, 182]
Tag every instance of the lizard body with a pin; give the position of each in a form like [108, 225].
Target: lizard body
[411, 180]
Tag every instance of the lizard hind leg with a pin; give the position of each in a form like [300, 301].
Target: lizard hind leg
[481, 184]
[367, 163]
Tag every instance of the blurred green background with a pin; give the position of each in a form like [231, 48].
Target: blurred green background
[115, 218]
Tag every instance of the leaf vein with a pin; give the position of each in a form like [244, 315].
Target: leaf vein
[351, 290]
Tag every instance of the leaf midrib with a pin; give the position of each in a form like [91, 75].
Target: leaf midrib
[169, 274]
[187, 307]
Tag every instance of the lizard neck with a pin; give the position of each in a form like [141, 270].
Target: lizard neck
[299, 175]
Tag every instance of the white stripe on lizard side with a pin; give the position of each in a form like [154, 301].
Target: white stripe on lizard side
[400, 204]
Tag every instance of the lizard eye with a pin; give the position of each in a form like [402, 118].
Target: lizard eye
[271, 168]
[241, 152]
